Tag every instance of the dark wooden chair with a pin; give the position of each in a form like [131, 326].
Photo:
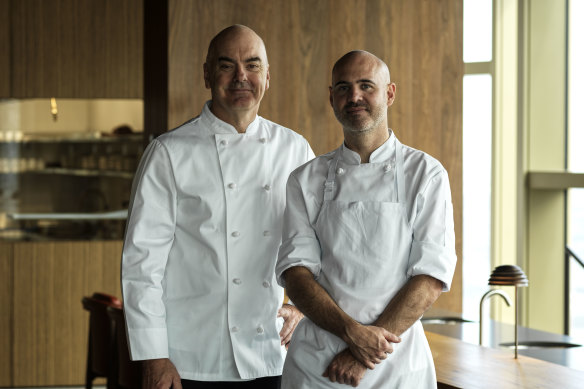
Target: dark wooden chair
[101, 338]
[129, 373]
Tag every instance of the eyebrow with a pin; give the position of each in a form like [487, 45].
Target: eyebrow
[361, 81]
[227, 59]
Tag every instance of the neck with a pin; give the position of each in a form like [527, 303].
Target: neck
[238, 119]
[366, 143]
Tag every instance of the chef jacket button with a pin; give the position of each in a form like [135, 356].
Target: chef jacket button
[267, 187]
[266, 284]
[237, 281]
[235, 234]
[387, 168]
[267, 233]
[234, 329]
[232, 185]
[340, 170]
[260, 330]
[223, 142]
[262, 140]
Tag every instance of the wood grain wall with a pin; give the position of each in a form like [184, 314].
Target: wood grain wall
[75, 49]
[44, 328]
[420, 40]
[4, 48]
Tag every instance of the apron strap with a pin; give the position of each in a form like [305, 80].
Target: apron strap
[329, 185]
[400, 182]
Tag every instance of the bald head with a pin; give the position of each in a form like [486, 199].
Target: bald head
[361, 58]
[237, 31]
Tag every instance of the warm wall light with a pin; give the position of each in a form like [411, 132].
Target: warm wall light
[510, 275]
[54, 110]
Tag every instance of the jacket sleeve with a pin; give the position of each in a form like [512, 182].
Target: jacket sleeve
[433, 248]
[149, 237]
[300, 246]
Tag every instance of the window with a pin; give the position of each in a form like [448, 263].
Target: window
[477, 139]
[575, 137]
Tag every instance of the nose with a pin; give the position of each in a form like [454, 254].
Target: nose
[240, 74]
[354, 95]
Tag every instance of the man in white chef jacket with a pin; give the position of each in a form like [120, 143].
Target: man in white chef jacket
[202, 305]
[367, 246]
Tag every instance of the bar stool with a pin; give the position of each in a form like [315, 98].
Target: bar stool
[101, 338]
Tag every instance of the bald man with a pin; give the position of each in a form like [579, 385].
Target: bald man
[202, 304]
[367, 246]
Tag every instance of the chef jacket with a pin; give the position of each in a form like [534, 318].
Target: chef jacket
[201, 243]
[363, 230]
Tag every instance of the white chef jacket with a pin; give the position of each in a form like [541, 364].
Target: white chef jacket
[200, 248]
[361, 258]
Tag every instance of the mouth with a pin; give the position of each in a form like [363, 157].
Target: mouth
[355, 110]
[238, 90]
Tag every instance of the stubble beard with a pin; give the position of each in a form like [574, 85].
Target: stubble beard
[360, 126]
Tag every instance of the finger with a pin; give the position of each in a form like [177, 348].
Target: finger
[176, 383]
[391, 337]
[282, 312]
[332, 375]
[287, 338]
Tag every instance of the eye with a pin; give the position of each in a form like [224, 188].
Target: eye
[253, 66]
[225, 66]
[366, 86]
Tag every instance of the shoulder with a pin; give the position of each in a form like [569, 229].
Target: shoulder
[314, 169]
[178, 133]
[420, 162]
[284, 133]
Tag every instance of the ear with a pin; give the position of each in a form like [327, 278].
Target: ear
[207, 75]
[331, 95]
[391, 88]
[268, 78]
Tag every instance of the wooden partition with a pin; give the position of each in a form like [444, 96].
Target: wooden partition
[420, 40]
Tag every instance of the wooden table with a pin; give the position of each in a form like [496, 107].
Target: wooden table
[465, 365]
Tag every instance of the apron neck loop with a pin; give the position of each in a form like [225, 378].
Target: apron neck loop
[400, 181]
[329, 185]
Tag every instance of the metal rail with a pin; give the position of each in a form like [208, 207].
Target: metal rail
[567, 255]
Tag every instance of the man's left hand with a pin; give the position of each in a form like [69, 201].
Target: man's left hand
[292, 317]
[345, 369]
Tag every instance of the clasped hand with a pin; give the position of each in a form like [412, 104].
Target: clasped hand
[370, 344]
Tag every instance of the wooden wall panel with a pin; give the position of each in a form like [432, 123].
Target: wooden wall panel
[50, 325]
[4, 48]
[6, 324]
[76, 49]
[420, 40]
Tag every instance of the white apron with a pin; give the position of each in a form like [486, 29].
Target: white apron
[365, 241]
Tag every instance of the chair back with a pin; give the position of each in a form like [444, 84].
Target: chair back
[129, 373]
[101, 336]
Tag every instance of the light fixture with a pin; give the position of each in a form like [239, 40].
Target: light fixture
[510, 275]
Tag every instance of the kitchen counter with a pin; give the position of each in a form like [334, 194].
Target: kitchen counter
[463, 365]
[495, 333]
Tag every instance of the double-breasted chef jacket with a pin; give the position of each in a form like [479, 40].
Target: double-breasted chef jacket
[363, 230]
[202, 238]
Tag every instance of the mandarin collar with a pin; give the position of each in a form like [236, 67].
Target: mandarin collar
[383, 153]
[218, 126]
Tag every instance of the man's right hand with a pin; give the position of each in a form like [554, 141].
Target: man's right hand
[370, 344]
[160, 374]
